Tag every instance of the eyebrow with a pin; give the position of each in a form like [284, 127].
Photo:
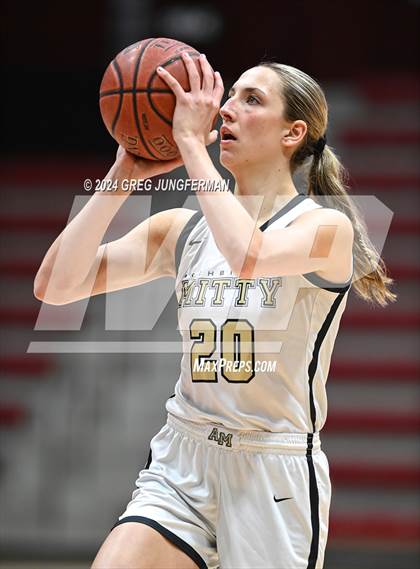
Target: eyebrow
[247, 90]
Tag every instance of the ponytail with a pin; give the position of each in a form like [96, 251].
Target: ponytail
[304, 100]
[327, 178]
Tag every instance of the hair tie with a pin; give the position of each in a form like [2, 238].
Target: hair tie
[319, 145]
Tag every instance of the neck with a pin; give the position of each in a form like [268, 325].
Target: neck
[263, 191]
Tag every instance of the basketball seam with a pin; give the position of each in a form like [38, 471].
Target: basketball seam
[150, 90]
[120, 100]
[136, 118]
[131, 91]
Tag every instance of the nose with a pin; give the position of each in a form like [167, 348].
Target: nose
[227, 111]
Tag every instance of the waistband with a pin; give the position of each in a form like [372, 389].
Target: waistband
[215, 434]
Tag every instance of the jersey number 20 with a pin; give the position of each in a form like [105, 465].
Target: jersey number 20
[237, 357]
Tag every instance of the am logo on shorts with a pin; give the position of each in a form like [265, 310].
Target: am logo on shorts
[220, 437]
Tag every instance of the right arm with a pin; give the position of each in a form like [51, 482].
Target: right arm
[77, 266]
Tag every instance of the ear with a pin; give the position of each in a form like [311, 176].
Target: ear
[295, 134]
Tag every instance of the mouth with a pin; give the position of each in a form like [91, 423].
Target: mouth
[226, 136]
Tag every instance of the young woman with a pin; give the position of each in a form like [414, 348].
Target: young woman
[236, 477]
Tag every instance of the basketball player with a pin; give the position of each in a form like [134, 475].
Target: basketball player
[236, 478]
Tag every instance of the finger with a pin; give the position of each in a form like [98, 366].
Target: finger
[219, 88]
[193, 76]
[212, 137]
[171, 82]
[208, 75]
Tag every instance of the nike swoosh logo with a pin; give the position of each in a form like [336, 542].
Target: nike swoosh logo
[281, 499]
[194, 242]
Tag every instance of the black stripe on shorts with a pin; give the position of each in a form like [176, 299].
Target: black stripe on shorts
[314, 501]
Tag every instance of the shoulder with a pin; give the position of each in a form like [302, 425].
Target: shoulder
[168, 224]
[169, 229]
[326, 216]
[333, 240]
[177, 215]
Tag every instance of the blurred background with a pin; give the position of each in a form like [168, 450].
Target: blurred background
[75, 427]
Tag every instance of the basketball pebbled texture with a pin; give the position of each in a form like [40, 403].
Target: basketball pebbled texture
[137, 106]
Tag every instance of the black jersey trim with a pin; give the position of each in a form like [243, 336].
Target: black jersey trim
[183, 236]
[173, 538]
[315, 354]
[285, 209]
[314, 502]
[149, 460]
[325, 284]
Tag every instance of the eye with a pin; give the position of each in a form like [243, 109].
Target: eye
[251, 99]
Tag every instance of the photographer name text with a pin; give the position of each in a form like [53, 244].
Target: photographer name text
[162, 185]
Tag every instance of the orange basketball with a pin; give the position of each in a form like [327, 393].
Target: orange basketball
[137, 106]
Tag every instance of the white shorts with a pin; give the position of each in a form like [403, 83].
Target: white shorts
[236, 499]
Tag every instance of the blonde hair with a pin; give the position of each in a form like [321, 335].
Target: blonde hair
[305, 100]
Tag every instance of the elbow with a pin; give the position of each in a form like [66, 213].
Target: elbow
[49, 295]
[52, 290]
[40, 295]
[38, 292]
[39, 288]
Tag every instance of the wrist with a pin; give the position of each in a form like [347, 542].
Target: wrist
[188, 141]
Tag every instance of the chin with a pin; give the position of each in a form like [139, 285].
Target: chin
[228, 161]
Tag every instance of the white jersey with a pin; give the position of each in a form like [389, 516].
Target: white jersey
[256, 352]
